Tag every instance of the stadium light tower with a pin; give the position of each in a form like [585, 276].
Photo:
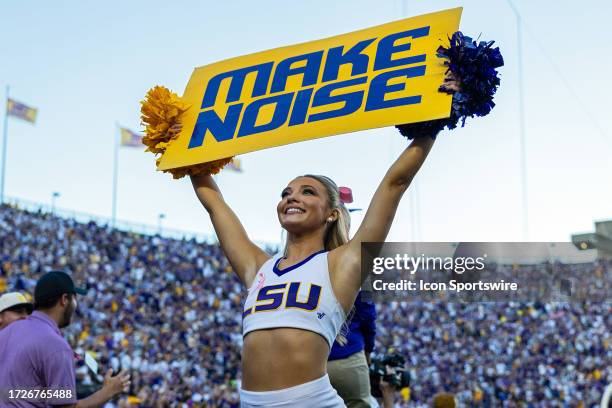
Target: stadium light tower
[54, 196]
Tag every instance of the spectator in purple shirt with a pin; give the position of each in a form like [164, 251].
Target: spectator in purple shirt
[37, 362]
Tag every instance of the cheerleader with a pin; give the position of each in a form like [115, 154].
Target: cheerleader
[298, 300]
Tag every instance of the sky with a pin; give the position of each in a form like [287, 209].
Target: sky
[86, 65]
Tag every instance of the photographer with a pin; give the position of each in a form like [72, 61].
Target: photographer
[387, 376]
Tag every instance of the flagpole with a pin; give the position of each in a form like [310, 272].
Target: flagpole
[4, 141]
[115, 166]
[521, 114]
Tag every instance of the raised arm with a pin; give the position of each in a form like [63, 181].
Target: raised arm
[380, 214]
[244, 256]
[345, 261]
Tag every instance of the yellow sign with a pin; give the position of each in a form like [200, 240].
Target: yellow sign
[380, 76]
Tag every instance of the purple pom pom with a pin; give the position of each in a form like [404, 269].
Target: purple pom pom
[475, 65]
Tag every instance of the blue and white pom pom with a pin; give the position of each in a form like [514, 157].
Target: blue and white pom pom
[475, 67]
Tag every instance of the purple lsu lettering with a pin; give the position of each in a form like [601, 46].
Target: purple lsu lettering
[295, 105]
[284, 295]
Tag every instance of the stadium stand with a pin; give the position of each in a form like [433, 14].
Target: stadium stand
[169, 310]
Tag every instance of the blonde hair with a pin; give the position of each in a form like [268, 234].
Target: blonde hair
[337, 233]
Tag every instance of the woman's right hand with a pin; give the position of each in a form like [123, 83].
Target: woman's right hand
[174, 130]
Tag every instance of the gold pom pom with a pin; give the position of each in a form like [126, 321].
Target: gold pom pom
[160, 110]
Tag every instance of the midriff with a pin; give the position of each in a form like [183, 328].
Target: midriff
[274, 359]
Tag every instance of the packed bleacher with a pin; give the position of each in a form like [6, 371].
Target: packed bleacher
[170, 311]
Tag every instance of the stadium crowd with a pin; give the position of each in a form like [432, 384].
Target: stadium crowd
[170, 312]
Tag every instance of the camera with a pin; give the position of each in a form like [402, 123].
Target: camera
[389, 368]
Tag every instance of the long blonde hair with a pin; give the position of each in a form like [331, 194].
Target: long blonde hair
[337, 233]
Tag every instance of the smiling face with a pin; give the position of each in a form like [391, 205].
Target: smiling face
[304, 205]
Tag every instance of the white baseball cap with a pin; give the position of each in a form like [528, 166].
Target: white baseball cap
[13, 299]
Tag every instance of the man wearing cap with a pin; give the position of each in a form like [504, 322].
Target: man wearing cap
[13, 306]
[35, 356]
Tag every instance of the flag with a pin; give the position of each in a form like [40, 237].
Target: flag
[21, 111]
[235, 165]
[130, 138]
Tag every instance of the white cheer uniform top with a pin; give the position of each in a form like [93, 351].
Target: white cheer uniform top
[299, 296]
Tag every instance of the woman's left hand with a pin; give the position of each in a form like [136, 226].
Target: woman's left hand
[451, 84]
